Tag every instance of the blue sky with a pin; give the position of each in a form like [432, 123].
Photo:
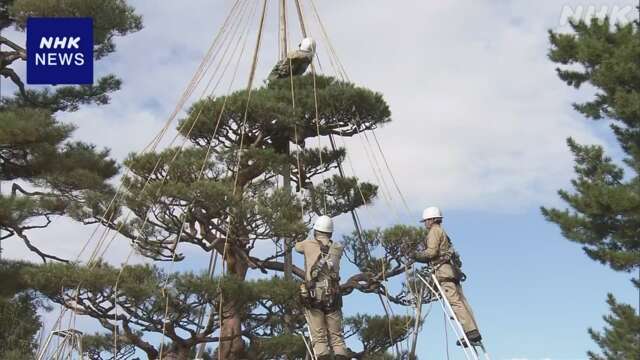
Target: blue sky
[480, 121]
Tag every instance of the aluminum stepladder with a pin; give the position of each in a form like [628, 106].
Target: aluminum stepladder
[471, 353]
[71, 344]
[70, 338]
[311, 355]
[308, 345]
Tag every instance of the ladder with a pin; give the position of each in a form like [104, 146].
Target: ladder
[470, 352]
[71, 343]
[308, 343]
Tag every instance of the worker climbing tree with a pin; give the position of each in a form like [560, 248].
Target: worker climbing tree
[296, 62]
[320, 291]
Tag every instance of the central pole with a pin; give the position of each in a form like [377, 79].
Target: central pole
[286, 170]
[283, 29]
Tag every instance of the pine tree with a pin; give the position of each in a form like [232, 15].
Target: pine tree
[620, 340]
[230, 205]
[49, 175]
[19, 320]
[604, 214]
[20, 323]
[237, 203]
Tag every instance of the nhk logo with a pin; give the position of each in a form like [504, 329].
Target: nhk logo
[59, 51]
[53, 58]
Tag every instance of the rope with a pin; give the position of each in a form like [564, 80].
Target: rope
[206, 159]
[376, 167]
[295, 125]
[154, 143]
[381, 174]
[235, 185]
[343, 77]
[213, 259]
[251, 79]
[163, 181]
[339, 69]
[288, 251]
[354, 213]
[303, 28]
[295, 135]
[356, 222]
[184, 141]
[395, 183]
[341, 72]
[379, 178]
[192, 85]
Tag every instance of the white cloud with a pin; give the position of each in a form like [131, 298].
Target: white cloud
[480, 117]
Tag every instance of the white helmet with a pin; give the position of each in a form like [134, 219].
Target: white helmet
[308, 44]
[324, 224]
[431, 213]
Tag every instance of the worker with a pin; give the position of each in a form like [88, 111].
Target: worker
[446, 262]
[296, 62]
[320, 293]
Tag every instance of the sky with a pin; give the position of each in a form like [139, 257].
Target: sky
[480, 122]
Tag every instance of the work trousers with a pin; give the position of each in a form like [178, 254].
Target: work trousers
[326, 332]
[462, 309]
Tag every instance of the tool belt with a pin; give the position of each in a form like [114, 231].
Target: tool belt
[322, 292]
[453, 259]
[321, 295]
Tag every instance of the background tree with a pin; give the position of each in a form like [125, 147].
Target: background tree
[604, 214]
[18, 313]
[620, 339]
[49, 174]
[20, 323]
[221, 195]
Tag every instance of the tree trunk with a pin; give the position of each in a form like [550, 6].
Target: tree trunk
[177, 354]
[232, 324]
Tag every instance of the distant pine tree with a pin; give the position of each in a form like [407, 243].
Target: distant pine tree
[19, 323]
[44, 173]
[604, 214]
[618, 341]
[48, 174]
